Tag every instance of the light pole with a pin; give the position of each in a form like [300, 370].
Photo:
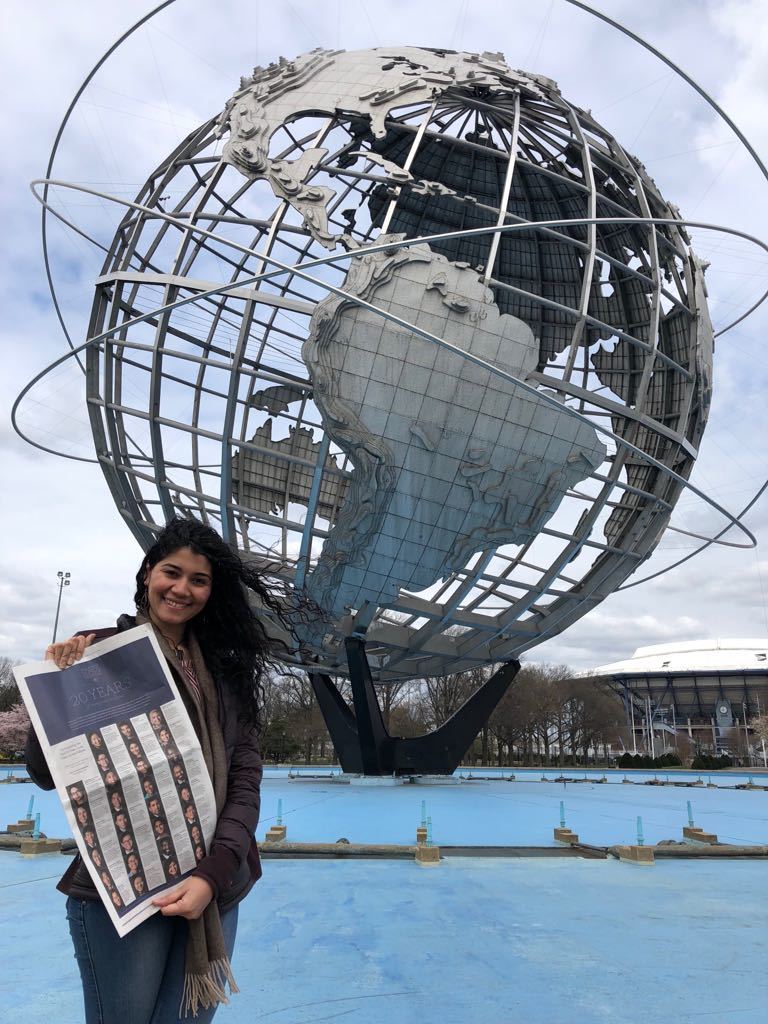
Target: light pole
[745, 711]
[634, 734]
[64, 581]
[674, 727]
[649, 713]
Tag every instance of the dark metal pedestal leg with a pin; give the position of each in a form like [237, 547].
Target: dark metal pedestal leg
[340, 721]
[362, 742]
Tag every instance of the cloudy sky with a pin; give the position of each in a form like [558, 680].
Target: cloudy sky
[180, 69]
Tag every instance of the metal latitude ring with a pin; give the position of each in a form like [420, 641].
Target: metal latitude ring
[390, 245]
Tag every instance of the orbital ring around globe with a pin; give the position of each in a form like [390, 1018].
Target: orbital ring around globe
[282, 269]
[580, 5]
[392, 244]
[427, 499]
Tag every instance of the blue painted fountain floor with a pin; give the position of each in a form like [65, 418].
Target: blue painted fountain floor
[473, 941]
[520, 813]
[478, 813]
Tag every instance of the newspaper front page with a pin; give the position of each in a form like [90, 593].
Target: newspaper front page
[128, 769]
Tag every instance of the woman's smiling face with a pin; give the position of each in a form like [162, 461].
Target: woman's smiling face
[178, 588]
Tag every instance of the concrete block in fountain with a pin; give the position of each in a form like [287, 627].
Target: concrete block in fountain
[22, 825]
[564, 835]
[698, 835]
[31, 847]
[276, 833]
[636, 854]
[427, 856]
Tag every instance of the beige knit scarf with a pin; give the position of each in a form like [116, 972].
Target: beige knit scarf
[208, 970]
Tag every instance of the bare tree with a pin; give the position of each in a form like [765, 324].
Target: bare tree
[737, 743]
[759, 725]
[594, 716]
[684, 747]
[391, 695]
[305, 722]
[271, 697]
[546, 707]
[410, 716]
[524, 719]
[443, 695]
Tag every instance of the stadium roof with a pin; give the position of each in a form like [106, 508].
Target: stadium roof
[693, 656]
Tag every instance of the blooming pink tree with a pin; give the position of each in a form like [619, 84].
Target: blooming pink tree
[14, 725]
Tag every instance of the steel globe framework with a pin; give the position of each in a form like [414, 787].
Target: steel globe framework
[276, 276]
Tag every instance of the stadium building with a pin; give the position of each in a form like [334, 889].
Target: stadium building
[706, 690]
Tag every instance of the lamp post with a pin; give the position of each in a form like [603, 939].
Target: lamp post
[745, 710]
[64, 581]
[649, 713]
[634, 734]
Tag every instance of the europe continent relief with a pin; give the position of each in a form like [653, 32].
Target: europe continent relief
[449, 458]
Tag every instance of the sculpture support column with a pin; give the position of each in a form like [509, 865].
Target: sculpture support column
[362, 742]
[375, 741]
[340, 722]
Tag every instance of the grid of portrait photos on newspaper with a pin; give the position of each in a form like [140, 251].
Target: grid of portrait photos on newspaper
[133, 830]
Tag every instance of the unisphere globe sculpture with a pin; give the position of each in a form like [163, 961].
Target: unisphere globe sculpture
[412, 339]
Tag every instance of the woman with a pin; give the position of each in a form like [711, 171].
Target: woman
[193, 590]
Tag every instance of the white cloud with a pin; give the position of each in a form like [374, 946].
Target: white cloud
[743, 92]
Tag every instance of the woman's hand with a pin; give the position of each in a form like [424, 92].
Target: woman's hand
[189, 900]
[67, 652]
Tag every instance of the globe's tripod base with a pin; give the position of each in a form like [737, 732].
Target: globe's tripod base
[360, 737]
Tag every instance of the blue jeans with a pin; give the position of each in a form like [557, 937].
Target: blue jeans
[138, 979]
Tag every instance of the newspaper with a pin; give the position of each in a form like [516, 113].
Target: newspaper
[128, 769]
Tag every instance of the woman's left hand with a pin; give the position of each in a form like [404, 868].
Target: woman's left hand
[189, 900]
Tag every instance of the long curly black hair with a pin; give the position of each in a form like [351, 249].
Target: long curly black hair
[231, 635]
